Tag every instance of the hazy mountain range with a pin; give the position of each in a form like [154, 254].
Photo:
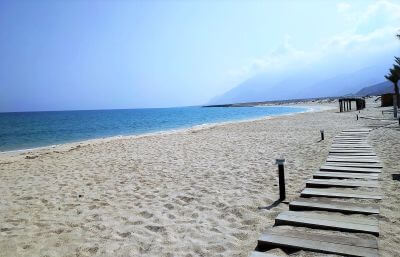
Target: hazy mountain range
[306, 84]
[377, 89]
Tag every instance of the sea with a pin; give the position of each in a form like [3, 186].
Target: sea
[28, 130]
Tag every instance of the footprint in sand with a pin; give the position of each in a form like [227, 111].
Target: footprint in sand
[240, 236]
[146, 214]
[155, 228]
[249, 222]
[169, 206]
[124, 234]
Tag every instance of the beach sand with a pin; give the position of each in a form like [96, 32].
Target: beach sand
[189, 193]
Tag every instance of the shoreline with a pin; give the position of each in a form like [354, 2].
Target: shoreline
[309, 108]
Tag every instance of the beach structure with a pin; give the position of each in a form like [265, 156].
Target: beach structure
[345, 104]
[387, 100]
[343, 195]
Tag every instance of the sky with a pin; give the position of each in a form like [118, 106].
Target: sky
[80, 55]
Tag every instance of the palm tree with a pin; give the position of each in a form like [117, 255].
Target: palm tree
[394, 77]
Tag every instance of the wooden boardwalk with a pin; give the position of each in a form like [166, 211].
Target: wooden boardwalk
[329, 202]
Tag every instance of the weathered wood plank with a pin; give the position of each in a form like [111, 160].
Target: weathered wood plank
[331, 205]
[349, 141]
[344, 141]
[319, 243]
[333, 175]
[328, 192]
[354, 164]
[338, 148]
[350, 151]
[341, 155]
[328, 221]
[351, 146]
[353, 154]
[349, 169]
[355, 144]
[340, 183]
[335, 159]
[357, 130]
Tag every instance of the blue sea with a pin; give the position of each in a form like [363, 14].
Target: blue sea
[26, 130]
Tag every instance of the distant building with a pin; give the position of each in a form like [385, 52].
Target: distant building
[387, 100]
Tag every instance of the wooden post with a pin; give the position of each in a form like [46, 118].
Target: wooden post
[395, 106]
[357, 116]
[281, 171]
[322, 134]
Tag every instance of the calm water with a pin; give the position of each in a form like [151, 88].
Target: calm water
[35, 129]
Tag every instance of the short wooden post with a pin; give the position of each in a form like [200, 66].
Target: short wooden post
[322, 134]
[357, 116]
[281, 173]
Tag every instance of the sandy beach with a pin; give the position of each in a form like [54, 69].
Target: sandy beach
[195, 192]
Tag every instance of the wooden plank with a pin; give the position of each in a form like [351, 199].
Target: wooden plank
[336, 159]
[362, 135]
[347, 141]
[261, 254]
[328, 221]
[357, 130]
[340, 183]
[352, 154]
[345, 147]
[329, 175]
[354, 164]
[327, 237]
[351, 137]
[328, 192]
[316, 242]
[342, 155]
[351, 146]
[361, 144]
[345, 150]
[354, 132]
[350, 141]
[350, 151]
[332, 205]
[349, 169]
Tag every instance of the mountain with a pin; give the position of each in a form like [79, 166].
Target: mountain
[377, 89]
[310, 83]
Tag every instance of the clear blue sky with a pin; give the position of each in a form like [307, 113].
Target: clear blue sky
[66, 55]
